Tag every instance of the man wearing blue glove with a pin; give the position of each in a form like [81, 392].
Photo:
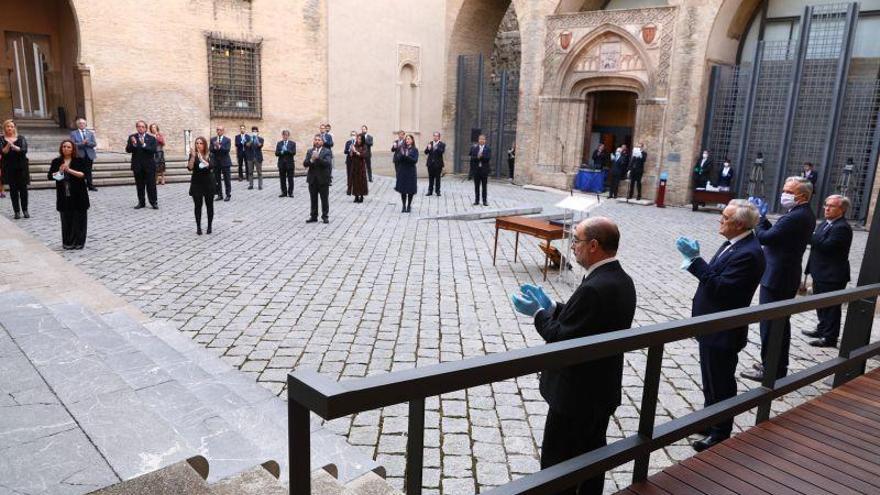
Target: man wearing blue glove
[583, 397]
[728, 281]
[784, 245]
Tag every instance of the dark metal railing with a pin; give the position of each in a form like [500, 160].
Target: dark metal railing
[311, 392]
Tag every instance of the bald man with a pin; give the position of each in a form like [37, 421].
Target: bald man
[583, 397]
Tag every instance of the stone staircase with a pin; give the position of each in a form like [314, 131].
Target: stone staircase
[144, 396]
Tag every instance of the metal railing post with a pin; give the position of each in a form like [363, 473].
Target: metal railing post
[415, 447]
[771, 367]
[648, 412]
[299, 447]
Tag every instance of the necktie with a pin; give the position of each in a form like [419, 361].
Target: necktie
[720, 251]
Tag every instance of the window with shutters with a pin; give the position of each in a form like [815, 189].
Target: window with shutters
[234, 78]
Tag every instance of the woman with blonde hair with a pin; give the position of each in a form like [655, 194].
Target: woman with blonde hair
[13, 154]
[201, 185]
[159, 157]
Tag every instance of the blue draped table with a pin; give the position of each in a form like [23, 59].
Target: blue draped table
[590, 180]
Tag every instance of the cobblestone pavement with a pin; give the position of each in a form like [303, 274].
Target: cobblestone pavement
[377, 290]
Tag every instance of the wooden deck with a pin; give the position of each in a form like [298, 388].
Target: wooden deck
[829, 445]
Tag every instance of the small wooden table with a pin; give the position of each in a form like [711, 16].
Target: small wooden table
[703, 197]
[542, 229]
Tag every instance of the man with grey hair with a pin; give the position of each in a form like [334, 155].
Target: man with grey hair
[582, 397]
[784, 245]
[828, 264]
[728, 281]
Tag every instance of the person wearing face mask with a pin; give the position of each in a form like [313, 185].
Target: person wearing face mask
[636, 170]
[702, 170]
[784, 244]
[725, 176]
[618, 169]
[582, 397]
[254, 154]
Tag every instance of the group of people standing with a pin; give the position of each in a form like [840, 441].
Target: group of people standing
[623, 165]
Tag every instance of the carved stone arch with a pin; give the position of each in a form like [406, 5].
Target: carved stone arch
[584, 86]
[569, 76]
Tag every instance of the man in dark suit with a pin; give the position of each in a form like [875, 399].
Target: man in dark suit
[600, 157]
[728, 281]
[368, 140]
[636, 171]
[85, 143]
[285, 150]
[810, 174]
[241, 141]
[582, 397]
[319, 162]
[480, 155]
[142, 147]
[828, 264]
[702, 170]
[347, 152]
[435, 150]
[619, 165]
[254, 155]
[397, 143]
[784, 245]
[222, 163]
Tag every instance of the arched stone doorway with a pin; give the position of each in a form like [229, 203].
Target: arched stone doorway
[39, 40]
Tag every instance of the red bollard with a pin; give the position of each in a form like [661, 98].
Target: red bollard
[661, 190]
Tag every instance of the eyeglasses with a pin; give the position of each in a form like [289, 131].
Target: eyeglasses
[576, 240]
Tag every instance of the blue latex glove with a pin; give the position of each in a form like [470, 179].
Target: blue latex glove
[761, 205]
[524, 304]
[689, 249]
[537, 293]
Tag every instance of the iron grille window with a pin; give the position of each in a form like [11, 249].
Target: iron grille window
[234, 78]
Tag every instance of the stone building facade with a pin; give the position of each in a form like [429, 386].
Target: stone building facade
[389, 64]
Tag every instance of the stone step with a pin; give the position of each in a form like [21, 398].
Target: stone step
[186, 476]
[371, 484]
[259, 480]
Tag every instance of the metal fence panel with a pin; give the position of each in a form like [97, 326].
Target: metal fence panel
[855, 157]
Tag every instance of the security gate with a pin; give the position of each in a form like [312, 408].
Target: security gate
[486, 103]
[796, 103]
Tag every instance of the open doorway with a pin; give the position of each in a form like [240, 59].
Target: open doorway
[611, 121]
[29, 67]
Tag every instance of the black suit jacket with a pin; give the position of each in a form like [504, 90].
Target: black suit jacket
[727, 282]
[142, 155]
[620, 165]
[605, 301]
[637, 164]
[480, 164]
[285, 158]
[725, 180]
[220, 156]
[435, 155]
[829, 252]
[784, 246]
[813, 177]
[319, 171]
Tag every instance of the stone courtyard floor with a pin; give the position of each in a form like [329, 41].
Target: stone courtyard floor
[376, 291]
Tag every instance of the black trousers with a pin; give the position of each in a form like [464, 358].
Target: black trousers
[635, 182]
[570, 436]
[767, 295]
[324, 192]
[718, 370]
[145, 182]
[434, 180]
[285, 175]
[480, 181]
[510, 167]
[615, 185]
[223, 176]
[18, 193]
[88, 170]
[241, 164]
[73, 227]
[829, 318]
[209, 207]
[369, 162]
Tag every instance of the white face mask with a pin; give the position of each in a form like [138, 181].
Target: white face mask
[705, 155]
[787, 201]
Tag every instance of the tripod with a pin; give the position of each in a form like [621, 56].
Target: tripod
[843, 182]
[756, 179]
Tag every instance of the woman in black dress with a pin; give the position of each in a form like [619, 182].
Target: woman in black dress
[201, 185]
[72, 196]
[13, 153]
[407, 185]
[359, 153]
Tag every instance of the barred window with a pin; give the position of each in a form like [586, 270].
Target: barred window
[234, 78]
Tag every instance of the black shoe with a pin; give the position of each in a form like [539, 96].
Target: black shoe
[17, 215]
[485, 203]
[409, 209]
[812, 333]
[198, 231]
[93, 188]
[325, 220]
[155, 207]
[312, 220]
[78, 246]
[26, 214]
[138, 207]
[282, 195]
[227, 198]
[438, 193]
[209, 230]
[757, 376]
[250, 187]
[290, 195]
[67, 247]
[429, 194]
[701, 445]
[403, 209]
[823, 343]
[476, 203]
[218, 198]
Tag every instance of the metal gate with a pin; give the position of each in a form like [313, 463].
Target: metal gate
[486, 103]
[798, 103]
